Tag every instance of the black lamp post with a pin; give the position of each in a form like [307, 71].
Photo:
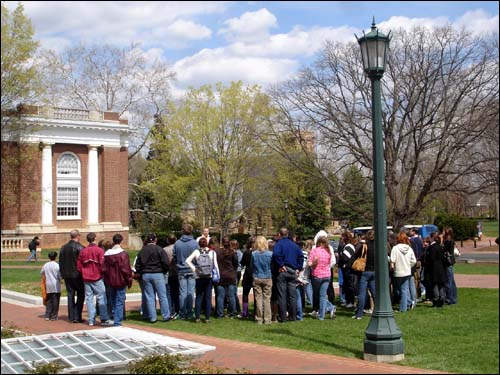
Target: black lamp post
[286, 212]
[383, 342]
[146, 217]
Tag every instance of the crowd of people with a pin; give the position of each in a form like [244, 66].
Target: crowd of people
[285, 274]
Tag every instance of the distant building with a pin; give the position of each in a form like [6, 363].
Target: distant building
[68, 169]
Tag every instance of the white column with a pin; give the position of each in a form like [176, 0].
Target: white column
[47, 184]
[93, 186]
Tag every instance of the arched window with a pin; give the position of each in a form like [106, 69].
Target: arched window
[68, 187]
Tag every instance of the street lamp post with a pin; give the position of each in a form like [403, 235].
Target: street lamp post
[383, 339]
[286, 212]
[146, 217]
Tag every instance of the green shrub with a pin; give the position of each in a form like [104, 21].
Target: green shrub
[176, 364]
[158, 364]
[54, 367]
[463, 228]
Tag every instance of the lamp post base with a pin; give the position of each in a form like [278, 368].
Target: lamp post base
[383, 358]
[384, 350]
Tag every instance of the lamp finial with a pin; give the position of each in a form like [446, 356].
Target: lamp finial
[373, 23]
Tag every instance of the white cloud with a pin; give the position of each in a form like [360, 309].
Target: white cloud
[298, 42]
[219, 64]
[397, 22]
[250, 26]
[478, 22]
[152, 23]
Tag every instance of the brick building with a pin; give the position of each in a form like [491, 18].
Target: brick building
[63, 169]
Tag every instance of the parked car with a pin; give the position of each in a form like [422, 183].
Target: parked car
[358, 231]
[424, 230]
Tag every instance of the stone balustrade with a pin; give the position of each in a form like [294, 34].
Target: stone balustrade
[15, 244]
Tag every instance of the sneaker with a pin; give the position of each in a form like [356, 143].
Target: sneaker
[349, 305]
[314, 314]
[107, 323]
[356, 317]
[174, 316]
[166, 320]
[332, 313]
[368, 311]
[47, 319]
[90, 324]
[197, 320]
[208, 321]
[412, 306]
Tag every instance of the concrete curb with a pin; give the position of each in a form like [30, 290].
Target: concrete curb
[37, 301]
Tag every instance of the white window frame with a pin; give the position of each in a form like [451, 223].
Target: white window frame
[69, 181]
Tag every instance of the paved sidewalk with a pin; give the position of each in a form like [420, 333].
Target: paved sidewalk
[229, 353]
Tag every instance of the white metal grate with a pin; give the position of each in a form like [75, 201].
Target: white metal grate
[86, 351]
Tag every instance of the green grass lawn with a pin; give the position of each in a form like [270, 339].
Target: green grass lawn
[475, 269]
[461, 338]
[490, 228]
[27, 280]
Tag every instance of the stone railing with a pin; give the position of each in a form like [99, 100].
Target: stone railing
[68, 113]
[14, 244]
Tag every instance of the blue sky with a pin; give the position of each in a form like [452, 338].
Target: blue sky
[257, 41]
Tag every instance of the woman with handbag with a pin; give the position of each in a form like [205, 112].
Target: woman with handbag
[365, 263]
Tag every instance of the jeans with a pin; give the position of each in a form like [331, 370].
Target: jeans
[154, 284]
[320, 288]
[32, 255]
[341, 285]
[144, 305]
[186, 295]
[451, 287]
[403, 285]
[413, 290]
[309, 293]
[287, 285]
[222, 291]
[300, 290]
[366, 281]
[96, 288]
[118, 296]
[173, 286]
[203, 294]
[75, 287]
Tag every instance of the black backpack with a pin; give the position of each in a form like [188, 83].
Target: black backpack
[448, 258]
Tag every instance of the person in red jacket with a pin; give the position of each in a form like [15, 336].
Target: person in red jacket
[117, 276]
[89, 264]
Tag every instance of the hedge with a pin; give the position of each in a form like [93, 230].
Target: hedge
[463, 228]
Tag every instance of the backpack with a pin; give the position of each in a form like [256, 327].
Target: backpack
[448, 259]
[204, 265]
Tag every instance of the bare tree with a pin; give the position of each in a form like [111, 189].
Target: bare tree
[103, 77]
[440, 96]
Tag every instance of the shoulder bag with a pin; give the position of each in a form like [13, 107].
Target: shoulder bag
[359, 264]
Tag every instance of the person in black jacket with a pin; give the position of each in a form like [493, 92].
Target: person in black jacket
[367, 277]
[437, 271]
[35, 242]
[152, 265]
[72, 278]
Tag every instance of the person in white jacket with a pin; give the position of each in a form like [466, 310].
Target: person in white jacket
[402, 260]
